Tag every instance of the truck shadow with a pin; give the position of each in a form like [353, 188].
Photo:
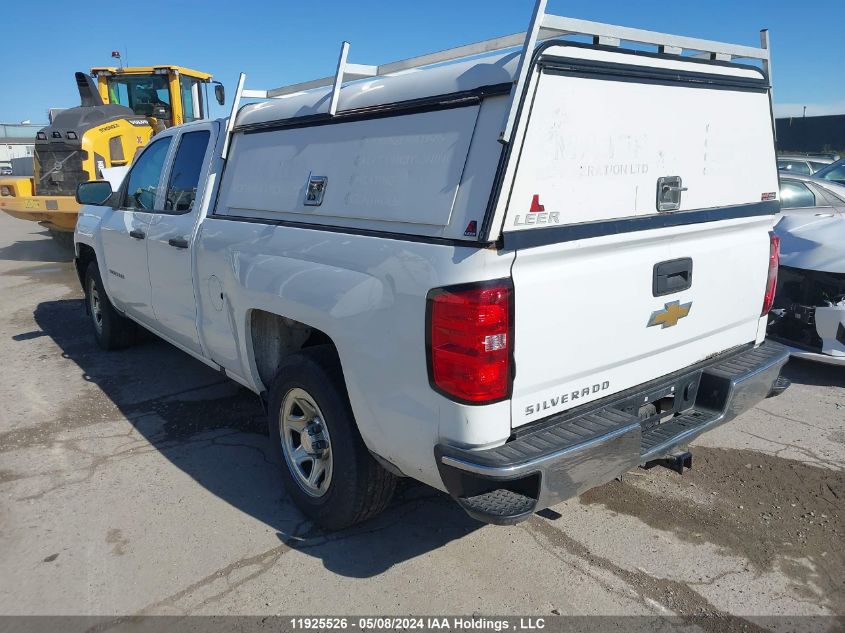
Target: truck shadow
[46, 250]
[806, 372]
[215, 431]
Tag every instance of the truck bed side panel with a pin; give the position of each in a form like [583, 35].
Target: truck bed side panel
[368, 295]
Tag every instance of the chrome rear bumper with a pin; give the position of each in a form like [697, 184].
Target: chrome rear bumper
[567, 454]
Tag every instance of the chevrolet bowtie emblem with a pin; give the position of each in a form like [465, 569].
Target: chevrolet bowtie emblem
[670, 314]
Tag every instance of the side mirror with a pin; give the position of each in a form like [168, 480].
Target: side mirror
[96, 192]
[220, 93]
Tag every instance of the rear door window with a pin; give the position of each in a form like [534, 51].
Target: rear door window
[795, 194]
[832, 198]
[144, 178]
[794, 166]
[185, 175]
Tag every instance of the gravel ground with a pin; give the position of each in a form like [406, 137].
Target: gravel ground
[139, 482]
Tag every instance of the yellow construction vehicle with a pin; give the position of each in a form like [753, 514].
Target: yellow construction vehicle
[121, 108]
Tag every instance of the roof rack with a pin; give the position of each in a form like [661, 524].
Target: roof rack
[543, 26]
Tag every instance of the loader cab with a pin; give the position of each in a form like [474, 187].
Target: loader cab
[166, 95]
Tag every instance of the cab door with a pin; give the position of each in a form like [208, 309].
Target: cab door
[123, 232]
[171, 235]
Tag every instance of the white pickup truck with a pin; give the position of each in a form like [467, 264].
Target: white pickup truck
[511, 277]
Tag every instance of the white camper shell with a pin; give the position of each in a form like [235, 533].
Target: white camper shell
[535, 268]
[419, 152]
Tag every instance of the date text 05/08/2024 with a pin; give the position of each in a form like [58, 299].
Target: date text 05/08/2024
[419, 623]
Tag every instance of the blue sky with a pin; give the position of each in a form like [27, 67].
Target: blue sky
[284, 42]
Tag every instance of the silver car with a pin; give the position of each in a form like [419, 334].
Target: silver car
[804, 165]
[801, 193]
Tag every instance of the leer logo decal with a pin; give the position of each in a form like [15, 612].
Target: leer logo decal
[537, 214]
[670, 314]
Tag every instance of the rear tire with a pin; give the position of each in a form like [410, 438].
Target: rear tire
[111, 329]
[326, 468]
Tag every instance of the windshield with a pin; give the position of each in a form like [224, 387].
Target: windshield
[834, 172]
[147, 95]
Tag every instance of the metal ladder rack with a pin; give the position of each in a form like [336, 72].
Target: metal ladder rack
[543, 26]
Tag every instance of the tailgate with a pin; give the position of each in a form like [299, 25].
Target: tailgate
[611, 292]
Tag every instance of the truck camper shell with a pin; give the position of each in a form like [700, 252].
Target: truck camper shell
[429, 147]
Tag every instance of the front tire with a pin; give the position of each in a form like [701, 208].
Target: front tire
[111, 329]
[326, 468]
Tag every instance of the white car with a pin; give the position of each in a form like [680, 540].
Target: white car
[512, 292]
[809, 308]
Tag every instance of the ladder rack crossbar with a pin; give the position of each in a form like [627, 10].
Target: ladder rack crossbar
[572, 26]
[552, 26]
[543, 26]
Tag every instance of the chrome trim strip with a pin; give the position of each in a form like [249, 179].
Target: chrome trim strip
[534, 464]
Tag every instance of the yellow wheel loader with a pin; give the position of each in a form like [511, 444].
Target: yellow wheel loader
[121, 108]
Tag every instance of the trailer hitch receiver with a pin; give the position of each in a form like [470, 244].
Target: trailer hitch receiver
[677, 462]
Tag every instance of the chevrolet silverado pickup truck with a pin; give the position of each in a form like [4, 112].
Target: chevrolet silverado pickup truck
[512, 271]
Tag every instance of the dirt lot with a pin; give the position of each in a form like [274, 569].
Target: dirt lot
[139, 482]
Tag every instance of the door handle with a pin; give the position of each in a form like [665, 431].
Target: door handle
[138, 235]
[671, 276]
[178, 242]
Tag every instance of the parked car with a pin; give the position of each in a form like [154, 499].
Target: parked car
[509, 295]
[808, 193]
[809, 308]
[805, 165]
[834, 172]
[5, 171]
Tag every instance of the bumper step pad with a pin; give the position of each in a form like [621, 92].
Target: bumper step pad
[658, 439]
[499, 506]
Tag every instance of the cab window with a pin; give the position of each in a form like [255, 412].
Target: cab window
[185, 175]
[143, 180]
[794, 194]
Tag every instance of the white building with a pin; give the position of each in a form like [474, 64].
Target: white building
[17, 146]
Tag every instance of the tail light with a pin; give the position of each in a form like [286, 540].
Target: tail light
[470, 340]
[772, 280]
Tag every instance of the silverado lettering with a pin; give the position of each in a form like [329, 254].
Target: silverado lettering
[551, 403]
